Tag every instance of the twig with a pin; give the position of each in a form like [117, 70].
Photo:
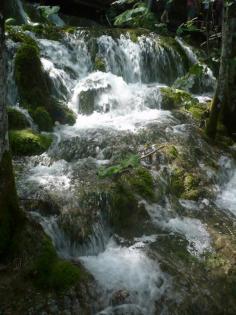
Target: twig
[151, 153]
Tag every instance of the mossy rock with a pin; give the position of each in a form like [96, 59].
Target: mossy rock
[185, 185]
[131, 186]
[42, 118]
[28, 142]
[198, 112]
[16, 120]
[171, 152]
[100, 64]
[61, 113]
[87, 101]
[52, 272]
[175, 99]
[141, 183]
[176, 181]
[33, 89]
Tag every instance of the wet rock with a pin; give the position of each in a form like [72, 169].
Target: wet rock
[120, 297]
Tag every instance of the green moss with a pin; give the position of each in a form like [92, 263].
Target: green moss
[185, 185]
[42, 118]
[215, 261]
[17, 35]
[28, 142]
[61, 113]
[175, 99]
[100, 64]
[129, 186]
[191, 181]
[52, 272]
[33, 89]
[171, 152]
[47, 31]
[16, 120]
[197, 112]
[87, 101]
[141, 182]
[11, 219]
[176, 181]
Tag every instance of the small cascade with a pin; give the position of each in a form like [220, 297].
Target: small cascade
[27, 116]
[118, 112]
[24, 16]
[140, 61]
[65, 246]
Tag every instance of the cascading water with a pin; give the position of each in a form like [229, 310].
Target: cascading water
[123, 101]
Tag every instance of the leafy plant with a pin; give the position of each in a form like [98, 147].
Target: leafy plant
[47, 11]
[188, 27]
[131, 161]
[138, 16]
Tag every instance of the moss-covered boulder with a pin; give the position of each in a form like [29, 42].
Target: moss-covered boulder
[176, 99]
[28, 142]
[16, 120]
[61, 113]
[35, 90]
[52, 272]
[42, 118]
[185, 185]
[100, 64]
[87, 101]
[198, 80]
[30, 77]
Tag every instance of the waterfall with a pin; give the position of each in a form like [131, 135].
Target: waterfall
[118, 111]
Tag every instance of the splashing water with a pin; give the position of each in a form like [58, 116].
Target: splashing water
[128, 270]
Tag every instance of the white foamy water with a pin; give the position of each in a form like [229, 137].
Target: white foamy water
[55, 176]
[195, 233]
[227, 196]
[128, 269]
[193, 230]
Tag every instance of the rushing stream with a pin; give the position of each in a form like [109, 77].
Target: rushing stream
[124, 107]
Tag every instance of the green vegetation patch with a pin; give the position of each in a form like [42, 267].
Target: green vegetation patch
[185, 185]
[17, 35]
[100, 64]
[28, 142]
[42, 118]
[129, 162]
[175, 99]
[52, 272]
[30, 78]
